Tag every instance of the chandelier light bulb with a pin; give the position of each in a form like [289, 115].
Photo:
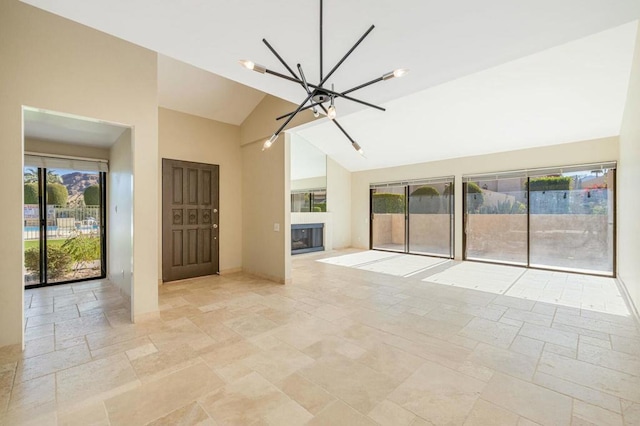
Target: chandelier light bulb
[247, 64]
[250, 65]
[331, 112]
[400, 72]
[316, 114]
[267, 144]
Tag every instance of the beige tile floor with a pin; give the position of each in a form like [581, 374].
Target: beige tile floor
[339, 346]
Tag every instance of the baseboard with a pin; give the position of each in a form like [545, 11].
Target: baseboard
[627, 299]
[230, 271]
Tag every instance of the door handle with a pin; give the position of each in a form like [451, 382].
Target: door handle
[214, 226]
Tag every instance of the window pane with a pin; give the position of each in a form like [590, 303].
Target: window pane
[73, 225]
[496, 220]
[572, 221]
[388, 225]
[31, 230]
[300, 202]
[319, 201]
[430, 214]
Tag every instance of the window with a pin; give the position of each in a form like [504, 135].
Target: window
[560, 218]
[413, 217]
[309, 201]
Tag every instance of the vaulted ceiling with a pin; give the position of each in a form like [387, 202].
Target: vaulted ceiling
[485, 76]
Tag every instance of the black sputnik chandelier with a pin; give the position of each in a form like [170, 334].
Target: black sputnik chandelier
[317, 94]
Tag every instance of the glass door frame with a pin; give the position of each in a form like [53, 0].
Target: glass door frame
[407, 221]
[614, 271]
[43, 237]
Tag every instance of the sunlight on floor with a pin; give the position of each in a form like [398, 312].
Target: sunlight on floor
[599, 294]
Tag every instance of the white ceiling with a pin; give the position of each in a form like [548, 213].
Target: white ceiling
[441, 42]
[53, 126]
[572, 92]
[183, 87]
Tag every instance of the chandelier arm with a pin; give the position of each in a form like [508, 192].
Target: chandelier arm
[313, 86]
[346, 55]
[293, 114]
[349, 98]
[304, 80]
[368, 83]
[301, 109]
[339, 126]
[264, 40]
[321, 40]
[286, 77]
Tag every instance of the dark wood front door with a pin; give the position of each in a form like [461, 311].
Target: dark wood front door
[189, 219]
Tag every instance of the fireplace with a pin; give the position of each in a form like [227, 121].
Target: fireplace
[307, 237]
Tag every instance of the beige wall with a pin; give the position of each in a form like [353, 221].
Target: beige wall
[309, 183]
[120, 214]
[189, 138]
[62, 148]
[266, 183]
[339, 203]
[52, 63]
[571, 153]
[628, 184]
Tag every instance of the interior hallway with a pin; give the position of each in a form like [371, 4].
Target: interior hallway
[340, 345]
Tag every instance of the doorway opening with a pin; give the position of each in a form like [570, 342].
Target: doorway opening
[66, 160]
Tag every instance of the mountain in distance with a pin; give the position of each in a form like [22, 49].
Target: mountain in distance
[76, 183]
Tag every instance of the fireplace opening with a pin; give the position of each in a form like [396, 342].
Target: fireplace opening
[307, 237]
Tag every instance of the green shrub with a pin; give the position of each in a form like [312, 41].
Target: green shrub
[57, 194]
[475, 198]
[82, 248]
[58, 261]
[92, 195]
[550, 183]
[388, 203]
[320, 207]
[505, 207]
[424, 200]
[425, 190]
[31, 193]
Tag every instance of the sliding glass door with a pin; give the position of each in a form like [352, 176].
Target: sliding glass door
[496, 220]
[561, 219]
[413, 217]
[388, 225]
[430, 219]
[64, 225]
[572, 219]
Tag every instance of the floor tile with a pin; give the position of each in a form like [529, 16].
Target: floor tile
[244, 401]
[595, 414]
[107, 375]
[189, 415]
[340, 413]
[528, 400]
[438, 394]
[485, 413]
[156, 399]
[358, 385]
[506, 361]
[491, 332]
[388, 413]
[306, 393]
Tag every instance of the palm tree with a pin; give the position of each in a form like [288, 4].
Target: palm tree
[53, 177]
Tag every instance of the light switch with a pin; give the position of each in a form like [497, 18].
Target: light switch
[276, 227]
